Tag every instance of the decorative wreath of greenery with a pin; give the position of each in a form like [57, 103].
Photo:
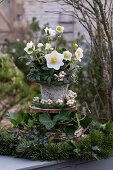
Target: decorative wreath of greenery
[96, 142]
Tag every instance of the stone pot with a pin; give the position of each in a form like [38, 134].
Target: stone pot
[53, 92]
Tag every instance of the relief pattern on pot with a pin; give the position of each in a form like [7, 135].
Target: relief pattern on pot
[53, 92]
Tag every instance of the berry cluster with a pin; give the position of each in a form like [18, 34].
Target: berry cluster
[60, 76]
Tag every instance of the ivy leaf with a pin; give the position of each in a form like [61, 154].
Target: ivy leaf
[63, 115]
[45, 119]
[11, 116]
[70, 130]
[85, 122]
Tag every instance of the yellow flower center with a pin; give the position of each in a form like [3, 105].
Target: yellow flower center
[54, 60]
[79, 53]
[59, 29]
[66, 55]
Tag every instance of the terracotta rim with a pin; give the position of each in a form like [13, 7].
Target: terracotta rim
[53, 111]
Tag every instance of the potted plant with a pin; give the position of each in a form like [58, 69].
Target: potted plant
[53, 68]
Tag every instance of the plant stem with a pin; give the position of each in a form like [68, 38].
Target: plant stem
[56, 43]
[78, 120]
[36, 57]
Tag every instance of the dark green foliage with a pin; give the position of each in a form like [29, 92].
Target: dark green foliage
[97, 144]
[46, 120]
[36, 151]
[8, 143]
[63, 122]
[83, 149]
[90, 87]
[40, 73]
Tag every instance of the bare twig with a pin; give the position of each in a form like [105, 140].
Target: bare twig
[1, 1]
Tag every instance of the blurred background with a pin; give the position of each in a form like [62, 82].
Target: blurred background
[25, 20]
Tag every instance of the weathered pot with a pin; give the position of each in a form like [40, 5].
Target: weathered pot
[53, 92]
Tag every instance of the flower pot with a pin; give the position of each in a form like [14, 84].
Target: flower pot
[53, 92]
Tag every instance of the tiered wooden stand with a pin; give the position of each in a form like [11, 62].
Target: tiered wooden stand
[51, 111]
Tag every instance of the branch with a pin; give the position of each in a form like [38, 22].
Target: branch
[1, 1]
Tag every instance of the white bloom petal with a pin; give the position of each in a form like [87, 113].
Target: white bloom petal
[76, 45]
[79, 54]
[40, 45]
[49, 31]
[60, 29]
[67, 55]
[54, 60]
[29, 48]
[48, 46]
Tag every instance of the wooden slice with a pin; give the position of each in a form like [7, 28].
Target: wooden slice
[52, 111]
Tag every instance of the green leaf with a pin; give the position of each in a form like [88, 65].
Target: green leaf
[109, 126]
[31, 123]
[13, 122]
[38, 77]
[45, 119]
[20, 117]
[48, 33]
[63, 115]
[45, 68]
[49, 80]
[61, 50]
[74, 43]
[85, 122]
[51, 72]
[65, 80]
[11, 116]
[70, 130]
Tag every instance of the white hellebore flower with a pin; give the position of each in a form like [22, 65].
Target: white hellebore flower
[60, 29]
[54, 60]
[29, 48]
[67, 55]
[48, 46]
[49, 31]
[40, 45]
[79, 54]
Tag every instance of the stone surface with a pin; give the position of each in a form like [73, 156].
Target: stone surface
[10, 163]
[53, 92]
